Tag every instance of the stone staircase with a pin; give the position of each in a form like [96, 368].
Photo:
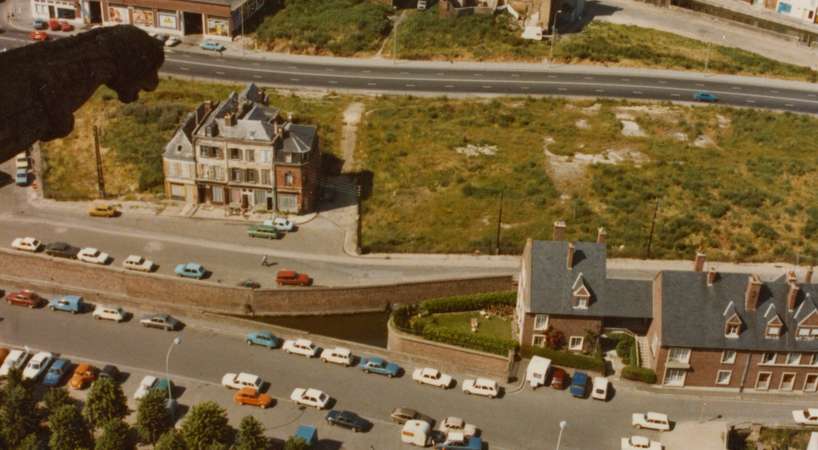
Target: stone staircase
[645, 356]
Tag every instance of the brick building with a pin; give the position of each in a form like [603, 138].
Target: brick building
[240, 153]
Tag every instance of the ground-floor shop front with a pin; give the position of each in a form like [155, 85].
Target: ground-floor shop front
[239, 198]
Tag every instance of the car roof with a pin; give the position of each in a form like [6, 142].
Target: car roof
[600, 381]
[430, 370]
[656, 416]
[416, 426]
[149, 380]
[376, 359]
[262, 333]
[42, 355]
[85, 366]
[244, 376]
[314, 392]
[133, 258]
[582, 376]
[71, 298]
[405, 411]
[456, 421]
[640, 440]
[59, 363]
[485, 381]
[342, 351]
[306, 342]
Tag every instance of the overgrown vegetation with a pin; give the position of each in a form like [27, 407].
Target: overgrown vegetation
[337, 27]
[639, 374]
[592, 361]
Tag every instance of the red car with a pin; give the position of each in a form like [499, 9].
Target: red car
[65, 26]
[292, 278]
[24, 298]
[559, 378]
[39, 36]
[54, 25]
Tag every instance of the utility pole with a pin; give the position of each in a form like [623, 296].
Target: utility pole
[100, 179]
[554, 36]
[241, 12]
[652, 227]
[499, 221]
[395, 41]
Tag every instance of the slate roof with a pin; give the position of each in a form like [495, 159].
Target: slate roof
[255, 124]
[299, 138]
[552, 283]
[180, 147]
[694, 314]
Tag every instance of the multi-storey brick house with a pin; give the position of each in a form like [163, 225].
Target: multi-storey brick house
[243, 155]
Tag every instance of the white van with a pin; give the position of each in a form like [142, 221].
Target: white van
[114, 313]
[416, 432]
[600, 390]
[537, 371]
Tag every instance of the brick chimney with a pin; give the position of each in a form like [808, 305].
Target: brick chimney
[808, 276]
[792, 277]
[559, 230]
[601, 234]
[792, 296]
[711, 276]
[570, 257]
[752, 293]
[698, 262]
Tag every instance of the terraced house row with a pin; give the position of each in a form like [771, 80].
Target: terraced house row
[697, 328]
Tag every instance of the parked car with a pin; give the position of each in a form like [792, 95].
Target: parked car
[138, 263]
[640, 443]
[111, 372]
[21, 178]
[249, 283]
[559, 378]
[292, 278]
[163, 321]
[24, 298]
[92, 255]
[209, 44]
[310, 397]
[151, 383]
[251, 396]
[303, 347]
[416, 432]
[432, 377]
[456, 425]
[4, 352]
[257, 231]
[600, 389]
[421, 5]
[579, 384]
[114, 313]
[67, 303]
[241, 380]
[347, 419]
[402, 415]
[37, 365]
[651, 421]
[53, 24]
[307, 434]
[380, 366]
[39, 24]
[191, 270]
[15, 360]
[39, 36]
[159, 37]
[481, 386]
[83, 375]
[807, 416]
[537, 371]
[27, 244]
[22, 161]
[65, 26]
[337, 355]
[172, 41]
[61, 250]
[457, 441]
[263, 338]
[280, 224]
[102, 210]
[707, 97]
[57, 372]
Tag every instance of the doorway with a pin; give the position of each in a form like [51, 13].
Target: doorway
[192, 23]
[50, 11]
[95, 11]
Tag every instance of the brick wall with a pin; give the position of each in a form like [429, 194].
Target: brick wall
[568, 325]
[113, 284]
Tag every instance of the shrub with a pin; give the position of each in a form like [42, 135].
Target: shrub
[567, 359]
[486, 344]
[639, 374]
[470, 302]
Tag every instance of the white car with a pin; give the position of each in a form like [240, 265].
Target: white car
[114, 313]
[241, 380]
[481, 386]
[640, 443]
[432, 377]
[92, 255]
[145, 386]
[310, 397]
[600, 389]
[27, 244]
[456, 425]
[16, 359]
[280, 224]
[21, 162]
[171, 41]
[651, 420]
[37, 365]
[807, 416]
[303, 347]
[337, 355]
[136, 262]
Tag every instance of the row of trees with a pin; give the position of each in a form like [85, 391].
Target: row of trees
[58, 423]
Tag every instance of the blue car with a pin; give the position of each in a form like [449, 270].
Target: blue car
[57, 372]
[705, 97]
[264, 339]
[461, 443]
[39, 24]
[307, 434]
[22, 177]
[380, 366]
[67, 303]
[190, 270]
[579, 385]
[211, 45]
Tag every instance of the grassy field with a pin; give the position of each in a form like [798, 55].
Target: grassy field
[739, 183]
[133, 136]
[320, 27]
[461, 322]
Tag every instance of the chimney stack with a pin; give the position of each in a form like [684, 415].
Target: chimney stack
[601, 234]
[791, 277]
[752, 293]
[559, 230]
[792, 296]
[698, 263]
[711, 276]
[570, 260]
[808, 276]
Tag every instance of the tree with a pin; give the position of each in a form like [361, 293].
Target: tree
[68, 429]
[18, 412]
[171, 440]
[106, 402]
[54, 398]
[206, 424]
[251, 435]
[152, 419]
[115, 436]
[32, 442]
[295, 443]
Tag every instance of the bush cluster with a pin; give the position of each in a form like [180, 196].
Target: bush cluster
[593, 362]
[469, 302]
[639, 374]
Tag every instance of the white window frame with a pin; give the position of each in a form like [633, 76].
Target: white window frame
[682, 379]
[685, 351]
[538, 337]
[814, 387]
[795, 361]
[578, 347]
[758, 380]
[730, 326]
[538, 319]
[764, 359]
[726, 382]
[769, 333]
[582, 303]
[781, 383]
[813, 361]
[728, 357]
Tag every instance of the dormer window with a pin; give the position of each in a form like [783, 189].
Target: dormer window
[581, 296]
[807, 333]
[774, 328]
[732, 330]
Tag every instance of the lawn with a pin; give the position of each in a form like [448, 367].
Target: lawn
[738, 183]
[133, 136]
[461, 322]
[326, 27]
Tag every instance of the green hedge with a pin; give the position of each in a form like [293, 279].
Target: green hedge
[568, 359]
[639, 374]
[486, 344]
[470, 302]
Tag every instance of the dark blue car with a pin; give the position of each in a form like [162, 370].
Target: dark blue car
[264, 339]
[579, 385]
[380, 366]
[22, 177]
[347, 419]
[57, 372]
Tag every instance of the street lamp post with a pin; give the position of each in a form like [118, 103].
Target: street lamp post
[176, 341]
[709, 45]
[554, 35]
[563, 424]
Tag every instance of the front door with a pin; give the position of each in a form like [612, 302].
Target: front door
[50, 11]
[245, 200]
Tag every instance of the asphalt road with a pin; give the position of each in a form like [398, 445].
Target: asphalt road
[520, 420]
[409, 78]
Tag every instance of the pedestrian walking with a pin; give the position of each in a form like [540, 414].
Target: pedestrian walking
[264, 261]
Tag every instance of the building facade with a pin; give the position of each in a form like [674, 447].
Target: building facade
[241, 154]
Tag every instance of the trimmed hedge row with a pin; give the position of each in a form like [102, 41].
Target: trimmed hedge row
[593, 362]
[639, 374]
[486, 344]
[469, 302]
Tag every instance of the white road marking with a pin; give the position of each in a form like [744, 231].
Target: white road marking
[773, 92]
[750, 101]
[366, 71]
[219, 73]
[515, 75]
[410, 85]
[292, 67]
[738, 88]
[524, 88]
[404, 73]
[295, 79]
[599, 90]
[333, 82]
[256, 76]
[587, 78]
[562, 89]
[477, 74]
[184, 68]
[625, 79]
[662, 82]
[637, 92]
[440, 74]
[789, 105]
[449, 86]
[552, 76]
[370, 84]
[486, 87]
[675, 95]
[811, 95]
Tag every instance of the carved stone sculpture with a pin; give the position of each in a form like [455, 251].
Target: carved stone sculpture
[41, 85]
